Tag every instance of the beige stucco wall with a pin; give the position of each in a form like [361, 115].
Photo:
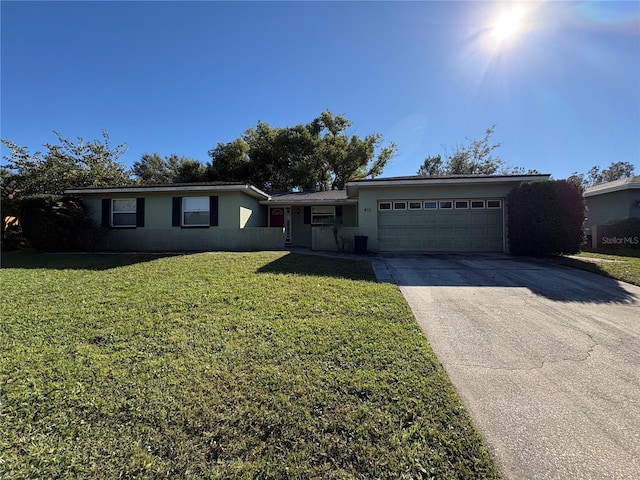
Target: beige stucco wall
[252, 214]
[324, 240]
[241, 225]
[302, 234]
[200, 239]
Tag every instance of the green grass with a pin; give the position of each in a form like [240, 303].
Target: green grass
[625, 267]
[223, 365]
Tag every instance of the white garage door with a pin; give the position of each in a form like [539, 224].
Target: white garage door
[453, 225]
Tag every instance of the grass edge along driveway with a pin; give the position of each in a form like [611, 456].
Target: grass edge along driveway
[623, 266]
[220, 365]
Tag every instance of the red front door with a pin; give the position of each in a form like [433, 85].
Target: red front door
[276, 217]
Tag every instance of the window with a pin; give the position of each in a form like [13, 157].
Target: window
[494, 203]
[189, 212]
[477, 203]
[384, 206]
[195, 211]
[123, 212]
[399, 205]
[462, 204]
[415, 205]
[430, 205]
[322, 214]
[446, 204]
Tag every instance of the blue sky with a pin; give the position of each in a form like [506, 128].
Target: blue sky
[179, 77]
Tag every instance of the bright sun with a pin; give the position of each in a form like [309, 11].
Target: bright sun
[508, 25]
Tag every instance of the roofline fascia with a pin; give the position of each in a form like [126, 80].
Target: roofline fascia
[303, 203]
[612, 189]
[446, 181]
[250, 189]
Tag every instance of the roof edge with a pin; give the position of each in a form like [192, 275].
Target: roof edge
[420, 179]
[629, 183]
[227, 187]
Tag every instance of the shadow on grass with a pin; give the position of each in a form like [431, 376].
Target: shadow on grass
[75, 261]
[593, 265]
[319, 266]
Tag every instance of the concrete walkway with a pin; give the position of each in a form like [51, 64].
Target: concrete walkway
[545, 358]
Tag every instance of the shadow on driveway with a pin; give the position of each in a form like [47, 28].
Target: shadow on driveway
[540, 276]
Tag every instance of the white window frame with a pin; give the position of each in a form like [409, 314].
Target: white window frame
[494, 207]
[455, 204]
[430, 202]
[419, 202]
[322, 214]
[386, 207]
[441, 202]
[115, 211]
[476, 207]
[396, 204]
[186, 209]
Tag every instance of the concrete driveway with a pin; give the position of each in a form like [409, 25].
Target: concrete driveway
[545, 358]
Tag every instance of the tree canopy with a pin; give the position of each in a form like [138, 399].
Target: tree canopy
[65, 165]
[319, 155]
[152, 169]
[476, 157]
[596, 175]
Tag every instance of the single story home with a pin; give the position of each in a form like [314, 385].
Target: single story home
[460, 213]
[181, 217]
[611, 202]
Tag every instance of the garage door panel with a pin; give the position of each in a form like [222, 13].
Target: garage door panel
[478, 230]
[462, 244]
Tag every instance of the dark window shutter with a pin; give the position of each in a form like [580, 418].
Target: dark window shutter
[176, 211]
[139, 212]
[307, 215]
[213, 211]
[106, 212]
[338, 211]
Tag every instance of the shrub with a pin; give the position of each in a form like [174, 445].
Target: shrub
[545, 218]
[12, 237]
[56, 224]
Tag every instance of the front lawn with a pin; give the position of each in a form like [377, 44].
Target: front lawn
[221, 365]
[625, 267]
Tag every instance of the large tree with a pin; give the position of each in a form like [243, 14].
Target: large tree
[152, 169]
[64, 165]
[320, 155]
[477, 157]
[596, 175]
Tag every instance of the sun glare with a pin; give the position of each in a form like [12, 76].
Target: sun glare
[508, 25]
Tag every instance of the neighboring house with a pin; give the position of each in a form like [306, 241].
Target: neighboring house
[611, 202]
[423, 214]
